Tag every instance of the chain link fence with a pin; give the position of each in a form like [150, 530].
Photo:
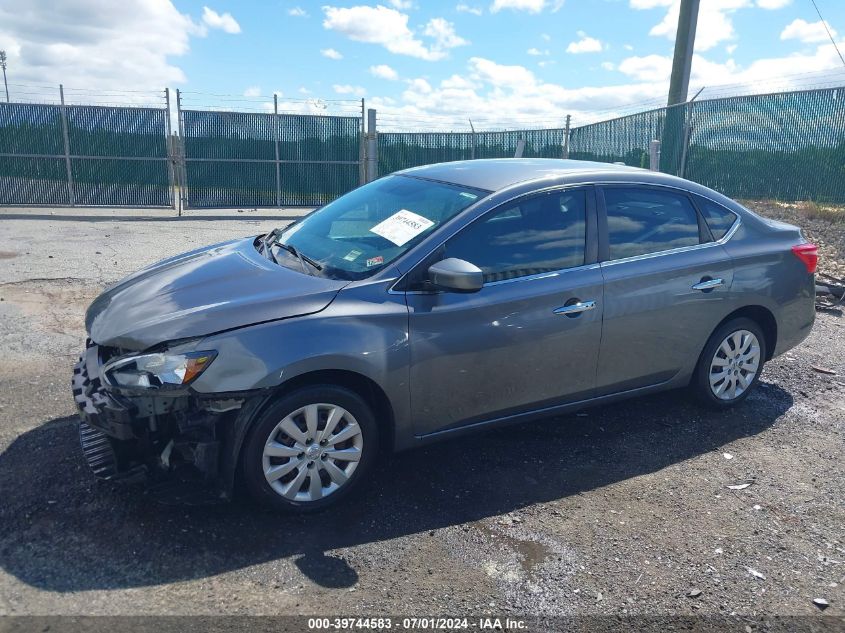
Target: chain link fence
[401, 150]
[62, 155]
[788, 146]
[236, 159]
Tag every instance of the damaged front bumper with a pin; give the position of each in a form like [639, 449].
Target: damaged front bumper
[184, 443]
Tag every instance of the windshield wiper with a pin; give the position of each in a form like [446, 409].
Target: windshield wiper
[267, 242]
[303, 259]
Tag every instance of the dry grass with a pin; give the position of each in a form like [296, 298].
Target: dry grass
[815, 211]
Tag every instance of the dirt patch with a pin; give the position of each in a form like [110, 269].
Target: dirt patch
[53, 306]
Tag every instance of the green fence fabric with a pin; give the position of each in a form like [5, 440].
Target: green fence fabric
[231, 159]
[401, 150]
[117, 155]
[788, 146]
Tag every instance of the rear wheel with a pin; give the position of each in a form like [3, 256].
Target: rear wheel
[310, 449]
[731, 364]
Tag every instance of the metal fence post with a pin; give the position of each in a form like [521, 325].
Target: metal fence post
[566, 132]
[276, 148]
[171, 171]
[520, 148]
[685, 147]
[472, 149]
[362, 148]
[66, 138]
[182, 167]
[372, 146]
[654, 156]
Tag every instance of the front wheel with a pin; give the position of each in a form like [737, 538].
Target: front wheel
[731, 364]
[310, 449]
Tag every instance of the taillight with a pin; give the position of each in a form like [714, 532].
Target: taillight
[808, 254]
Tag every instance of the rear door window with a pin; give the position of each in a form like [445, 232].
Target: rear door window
[641, 221]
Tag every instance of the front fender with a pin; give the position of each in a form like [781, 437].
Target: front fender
[364, 330]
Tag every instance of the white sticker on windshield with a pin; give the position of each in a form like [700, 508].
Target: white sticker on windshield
[402, 226]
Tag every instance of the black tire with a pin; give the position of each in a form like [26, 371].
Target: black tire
[252, 456]
[700, 383]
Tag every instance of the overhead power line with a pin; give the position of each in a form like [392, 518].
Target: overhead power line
[829, 34]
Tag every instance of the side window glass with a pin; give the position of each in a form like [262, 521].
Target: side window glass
[642, 221]
[718, 218]
[538, 234]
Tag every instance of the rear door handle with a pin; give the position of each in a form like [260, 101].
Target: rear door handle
[708, 284]
[575, 308]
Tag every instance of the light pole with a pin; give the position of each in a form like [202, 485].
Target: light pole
[3, 64]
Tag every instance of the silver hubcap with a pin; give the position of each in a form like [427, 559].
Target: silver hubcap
[734, 365]
[312, 452]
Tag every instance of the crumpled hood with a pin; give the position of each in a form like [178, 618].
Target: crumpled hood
[201, 292]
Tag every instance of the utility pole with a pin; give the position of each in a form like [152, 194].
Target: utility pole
[3, 64]
[684, 44]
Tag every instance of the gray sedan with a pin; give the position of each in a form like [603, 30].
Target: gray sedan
[437, 301]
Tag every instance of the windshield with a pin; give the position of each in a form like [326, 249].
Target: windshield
[362, 232]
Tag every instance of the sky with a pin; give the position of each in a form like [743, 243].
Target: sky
[422, 64]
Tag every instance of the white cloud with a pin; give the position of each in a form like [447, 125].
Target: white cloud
[402, 4]
[347, 89]
[608, 65]
[531, 6]
[389, 28]
[420, 86]
[806, 31]
[130, 45]
[465, 8]
[303, 90]
[383, 71]
[498, 95]
[253, 91]
[331, 53]
[499, 74]
[546, 37]
[649, 68]
[772, 4]
[715, 23]
[224, 22]
[536, 52]
[298, 12]
[443, 34]
[586, 44]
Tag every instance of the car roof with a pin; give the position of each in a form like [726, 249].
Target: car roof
[498, 173]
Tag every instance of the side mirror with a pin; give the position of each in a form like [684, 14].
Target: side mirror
[456, 274]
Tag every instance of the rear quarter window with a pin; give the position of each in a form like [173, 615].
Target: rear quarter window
[718, 218]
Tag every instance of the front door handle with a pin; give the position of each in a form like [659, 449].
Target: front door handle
[574, 309]
[708, 284]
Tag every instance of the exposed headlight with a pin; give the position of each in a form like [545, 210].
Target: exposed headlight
[155, 371]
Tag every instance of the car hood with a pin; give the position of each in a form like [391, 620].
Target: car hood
[201, 292]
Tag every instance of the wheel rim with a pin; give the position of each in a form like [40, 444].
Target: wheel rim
[735, 365]
[312, 452]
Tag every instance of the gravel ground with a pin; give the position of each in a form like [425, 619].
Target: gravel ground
[618, 510]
